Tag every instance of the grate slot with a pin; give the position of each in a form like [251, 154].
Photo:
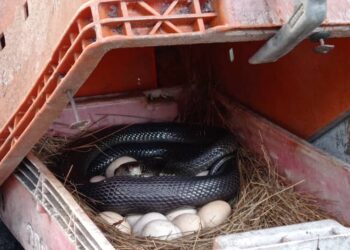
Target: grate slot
[50, 198]
[26, 183]
[27, 175]
[66, 214]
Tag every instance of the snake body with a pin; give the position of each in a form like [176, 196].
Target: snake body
[168, 148]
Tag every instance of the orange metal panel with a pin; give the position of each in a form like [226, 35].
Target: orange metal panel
[303, 92]
[122, 70]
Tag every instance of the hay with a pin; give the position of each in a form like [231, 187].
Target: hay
[265, 201]
[49, 148]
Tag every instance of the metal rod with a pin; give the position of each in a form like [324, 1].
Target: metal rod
[73, 104]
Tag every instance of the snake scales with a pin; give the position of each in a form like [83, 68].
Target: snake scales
[178, 151]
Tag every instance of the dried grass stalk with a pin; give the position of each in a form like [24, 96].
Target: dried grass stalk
[265, 201]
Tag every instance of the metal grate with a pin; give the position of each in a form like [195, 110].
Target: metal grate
[47, 195]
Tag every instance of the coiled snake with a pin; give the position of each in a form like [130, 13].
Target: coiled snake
[175, 153]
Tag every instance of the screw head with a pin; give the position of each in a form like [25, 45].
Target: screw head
[324, 49]
[81, 125]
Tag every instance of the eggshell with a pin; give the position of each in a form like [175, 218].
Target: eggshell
[188, 223]
[214, 213]
[146, 175]
[183, 210]
[133, 218]
[97, 178]
[139, 225]
[135, 171]
[204, 173]
[161, 229]
[116, 164]
[120, 223]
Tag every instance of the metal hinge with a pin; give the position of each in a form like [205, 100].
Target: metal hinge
[308, 16]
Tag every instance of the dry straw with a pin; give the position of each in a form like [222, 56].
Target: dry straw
[265, 201]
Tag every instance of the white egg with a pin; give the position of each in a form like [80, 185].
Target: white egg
[116, 219]
[97, 178]
[116, 164]
[139, 225]
[183, 210]
[133, 218]
[204, 173]
[161, 229]
[188, 223]
[214, 213]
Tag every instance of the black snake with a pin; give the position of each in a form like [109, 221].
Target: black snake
[165, 149]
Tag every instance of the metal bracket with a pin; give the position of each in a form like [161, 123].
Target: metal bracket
[308, 16]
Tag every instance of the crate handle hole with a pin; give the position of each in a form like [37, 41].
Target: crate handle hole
[2, 41]
[26, 10]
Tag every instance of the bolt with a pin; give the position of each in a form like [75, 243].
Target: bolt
[78, 124]
[231, 55]
[139, 81]
[319, 37]
[324, 48]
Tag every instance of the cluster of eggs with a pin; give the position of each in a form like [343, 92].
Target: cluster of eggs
[177, 223]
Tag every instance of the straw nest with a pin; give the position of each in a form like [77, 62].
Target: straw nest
[265, 201]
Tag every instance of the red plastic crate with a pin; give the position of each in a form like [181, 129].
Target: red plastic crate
[100, 26]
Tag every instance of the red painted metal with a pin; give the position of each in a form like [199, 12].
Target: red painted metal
[303, 92]
[122, 71]
[323, 176]
[111, 111]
